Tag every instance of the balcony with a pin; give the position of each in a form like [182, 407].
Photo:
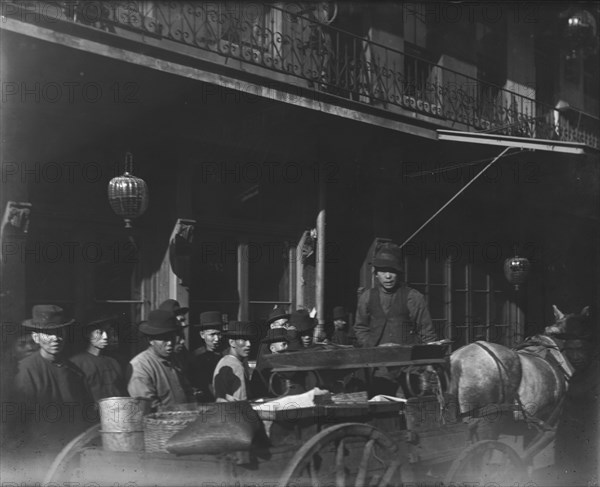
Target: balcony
[294, 48]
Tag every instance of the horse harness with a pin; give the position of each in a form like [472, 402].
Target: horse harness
[548, 349]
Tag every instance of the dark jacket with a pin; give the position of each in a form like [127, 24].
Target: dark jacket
[405, 322]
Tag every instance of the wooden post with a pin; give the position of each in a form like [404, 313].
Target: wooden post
[300, 273]
[242, 257]
[320, 270]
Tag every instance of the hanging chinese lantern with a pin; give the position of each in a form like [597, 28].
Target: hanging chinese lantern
[516, 270]
[127, 194]
[580, 32]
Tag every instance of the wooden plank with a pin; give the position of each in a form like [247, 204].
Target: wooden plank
[356, 358]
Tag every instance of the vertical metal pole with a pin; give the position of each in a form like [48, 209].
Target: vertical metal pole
[320, 271]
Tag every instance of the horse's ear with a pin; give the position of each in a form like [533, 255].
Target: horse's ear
[558, 315]
[585, 311]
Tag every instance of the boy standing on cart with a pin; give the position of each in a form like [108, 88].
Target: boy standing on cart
[391, 313]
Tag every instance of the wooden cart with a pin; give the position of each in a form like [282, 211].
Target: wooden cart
[376, 443]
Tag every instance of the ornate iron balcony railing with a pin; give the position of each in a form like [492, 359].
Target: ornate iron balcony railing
[298, 44]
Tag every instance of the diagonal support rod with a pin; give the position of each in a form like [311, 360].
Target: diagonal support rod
[456, 195]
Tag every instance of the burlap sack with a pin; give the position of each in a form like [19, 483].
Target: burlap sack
[221, 427]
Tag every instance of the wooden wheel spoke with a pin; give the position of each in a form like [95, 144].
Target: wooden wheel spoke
[313, 472]
[340, 467]
[347, 450]
[389, 474]
[364, 463]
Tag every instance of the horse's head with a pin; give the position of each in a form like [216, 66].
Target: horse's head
[571, 326]
[574, 333]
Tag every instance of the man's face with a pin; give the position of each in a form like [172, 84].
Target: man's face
[280, 323]
[577, 353]
[212, 339]
[164, 345]
[306, 338]
[278, 347]
[179, 343]
[99, 338]
[51, 343]
[240, 347]
[180, 339]
[387, 278]
[339, 324]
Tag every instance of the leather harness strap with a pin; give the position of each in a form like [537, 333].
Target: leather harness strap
[501, 367]
[564, 366]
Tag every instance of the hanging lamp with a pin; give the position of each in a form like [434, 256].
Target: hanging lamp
[128, 194]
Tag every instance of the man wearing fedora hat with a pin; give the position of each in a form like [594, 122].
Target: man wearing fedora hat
[46, 380]
[577, 431]
[231, 380]
[280, 318]
[154, 373]
[392, 312]
[103, 374]
[181, 354]
[305, 327]
[208, 355]
[276, 341]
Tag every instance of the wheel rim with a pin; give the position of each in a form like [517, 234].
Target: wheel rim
[71, 450]
[488, 462]
[350, 454]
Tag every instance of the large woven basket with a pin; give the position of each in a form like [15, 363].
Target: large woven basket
[159, 427]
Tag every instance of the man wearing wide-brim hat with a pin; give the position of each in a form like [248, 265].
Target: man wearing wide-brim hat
[231, 380]
[103, 374]
[181, 352]
[208, 355]
[305, 327]
[154, 373]
[46, 380]
[278, 317]
[277, 340]
[174, 307]
[391, 312]
[576, 442]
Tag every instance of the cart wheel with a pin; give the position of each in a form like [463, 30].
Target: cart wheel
[60, 463]
[344, 455]
[487, 462]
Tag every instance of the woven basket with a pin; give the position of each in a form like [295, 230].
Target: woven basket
[159, 427]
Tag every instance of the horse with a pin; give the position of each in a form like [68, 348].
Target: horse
[533, 376]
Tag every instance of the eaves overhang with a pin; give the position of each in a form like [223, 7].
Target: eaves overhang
[516, 142]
